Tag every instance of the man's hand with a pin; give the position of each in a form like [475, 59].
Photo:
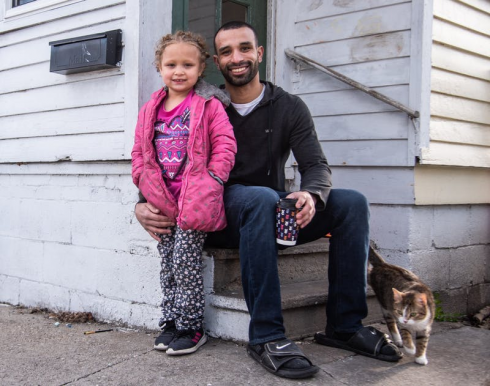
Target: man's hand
[152, 220]
[308, 201]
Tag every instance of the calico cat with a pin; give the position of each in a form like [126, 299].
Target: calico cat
[406, 300]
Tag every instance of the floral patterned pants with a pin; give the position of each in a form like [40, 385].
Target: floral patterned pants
[181, 278]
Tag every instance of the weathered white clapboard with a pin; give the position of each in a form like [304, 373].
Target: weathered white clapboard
[378, 43]
[460, 85]
[45, 117]
[367, 142]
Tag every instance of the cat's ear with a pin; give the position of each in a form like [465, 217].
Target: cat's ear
[422, 299]
[397, 295]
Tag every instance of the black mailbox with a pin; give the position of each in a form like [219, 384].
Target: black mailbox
[86, 53]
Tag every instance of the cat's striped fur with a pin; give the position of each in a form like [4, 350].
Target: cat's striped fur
[407, 303]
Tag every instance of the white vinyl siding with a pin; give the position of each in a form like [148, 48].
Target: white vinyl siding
[460, 85]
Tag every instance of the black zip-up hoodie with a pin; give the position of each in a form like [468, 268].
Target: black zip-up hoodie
[281, 122]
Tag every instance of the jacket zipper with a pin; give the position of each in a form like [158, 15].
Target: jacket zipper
[190, 157]
[152, 160]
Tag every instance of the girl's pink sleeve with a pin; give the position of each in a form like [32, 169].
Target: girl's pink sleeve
[223, 143]
[137, 152]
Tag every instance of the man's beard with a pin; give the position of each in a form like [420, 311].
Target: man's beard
[242, 79]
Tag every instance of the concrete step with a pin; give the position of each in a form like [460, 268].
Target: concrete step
[302, 263]
[303, 306]
[304, 292]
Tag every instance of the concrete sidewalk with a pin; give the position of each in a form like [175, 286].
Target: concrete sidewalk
[36, 352]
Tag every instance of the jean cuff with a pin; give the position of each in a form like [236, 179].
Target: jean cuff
[268, 339]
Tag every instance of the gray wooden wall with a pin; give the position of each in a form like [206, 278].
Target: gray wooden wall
[369, 144]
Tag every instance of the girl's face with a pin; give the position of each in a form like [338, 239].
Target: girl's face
[180, 68]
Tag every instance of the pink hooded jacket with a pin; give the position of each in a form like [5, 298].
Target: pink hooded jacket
[210, 157]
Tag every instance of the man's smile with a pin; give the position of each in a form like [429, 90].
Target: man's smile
[239, 70]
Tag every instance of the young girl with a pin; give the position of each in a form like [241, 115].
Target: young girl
[183, 152]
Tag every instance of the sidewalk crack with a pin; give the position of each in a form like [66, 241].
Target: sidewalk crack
[333, 378]
[107, 367]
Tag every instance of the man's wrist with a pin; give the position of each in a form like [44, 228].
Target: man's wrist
[313, 196]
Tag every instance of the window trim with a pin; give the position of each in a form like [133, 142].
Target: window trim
[29, 8]
[15, 1]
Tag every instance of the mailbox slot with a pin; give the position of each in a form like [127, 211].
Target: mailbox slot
[86, 53]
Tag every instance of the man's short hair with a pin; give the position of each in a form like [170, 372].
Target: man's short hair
[235, 25]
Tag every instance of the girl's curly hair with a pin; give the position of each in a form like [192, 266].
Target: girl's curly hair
[193, 38]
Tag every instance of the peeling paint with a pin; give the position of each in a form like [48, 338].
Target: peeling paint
[368, 25]
[343, 3]
[384, 45]
[315, 5]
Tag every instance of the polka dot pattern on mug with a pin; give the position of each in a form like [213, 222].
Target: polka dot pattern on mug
[286, 227]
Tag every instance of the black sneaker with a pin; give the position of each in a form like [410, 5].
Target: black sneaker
[187, 342]
[166, 336]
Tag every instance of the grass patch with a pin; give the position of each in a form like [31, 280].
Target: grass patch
[441, 316]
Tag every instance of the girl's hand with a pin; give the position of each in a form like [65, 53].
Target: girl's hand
[152, 220]
[307, 201]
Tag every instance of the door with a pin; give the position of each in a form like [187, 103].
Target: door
[206, 16]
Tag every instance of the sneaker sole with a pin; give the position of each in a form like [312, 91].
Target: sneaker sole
[160, 347]
[201, 342]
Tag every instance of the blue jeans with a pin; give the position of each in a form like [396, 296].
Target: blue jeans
[250, 212]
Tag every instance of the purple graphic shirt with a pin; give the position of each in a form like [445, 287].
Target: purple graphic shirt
[170, 141]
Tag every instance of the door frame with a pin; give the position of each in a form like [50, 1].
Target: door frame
[180, 21]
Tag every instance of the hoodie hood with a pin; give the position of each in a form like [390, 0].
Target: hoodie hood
[272, 94]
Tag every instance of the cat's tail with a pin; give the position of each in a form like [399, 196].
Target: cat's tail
[375, 258]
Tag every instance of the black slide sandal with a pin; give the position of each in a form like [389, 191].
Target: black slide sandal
[367, 341]
[277, 354]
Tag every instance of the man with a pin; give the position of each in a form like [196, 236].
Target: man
[269, 123]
